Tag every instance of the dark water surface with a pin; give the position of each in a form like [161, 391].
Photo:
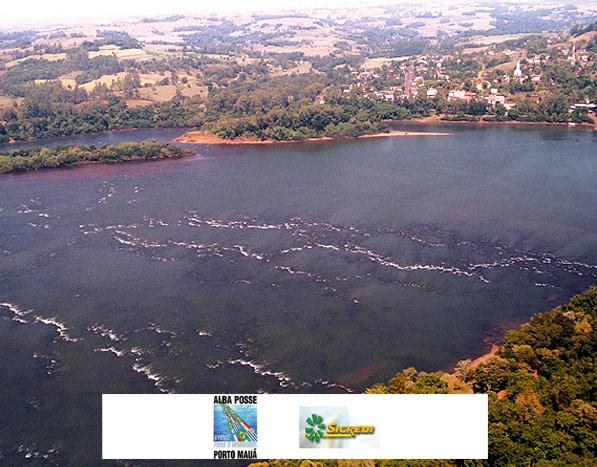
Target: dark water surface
[312, 267]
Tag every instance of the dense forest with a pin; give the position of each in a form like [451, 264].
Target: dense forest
[64, 156]
[294, 108]
[36, 119]
[279, 109]
[542, 392]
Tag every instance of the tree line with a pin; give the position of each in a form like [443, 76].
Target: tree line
[281, 108]
[542, 388]
[65, 156]
[35, 119]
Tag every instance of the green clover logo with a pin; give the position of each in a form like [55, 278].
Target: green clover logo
[316, 429]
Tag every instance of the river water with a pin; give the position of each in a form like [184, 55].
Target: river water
[314, 267]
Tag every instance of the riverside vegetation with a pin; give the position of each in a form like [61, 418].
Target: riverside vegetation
[541, 386]
[64, 156]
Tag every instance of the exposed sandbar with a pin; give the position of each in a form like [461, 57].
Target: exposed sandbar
[201, 137]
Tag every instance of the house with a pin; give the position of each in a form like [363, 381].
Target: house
[431, 92]
[460, 95]
[495, 99]
[456, 94]
[536, 60]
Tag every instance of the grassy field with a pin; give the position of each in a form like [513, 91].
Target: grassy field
[487, 40]
[161, 93]
[146, 79]
[121, 54]
[302, 67]
[301, 34]
[193, 90]
[7, 102]
[164, 93]
[49, 57]
[378, 62]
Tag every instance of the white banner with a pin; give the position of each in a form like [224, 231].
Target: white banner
[294, 426]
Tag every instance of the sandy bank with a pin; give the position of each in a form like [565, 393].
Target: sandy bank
[485, 357]
[200, 137]
[436, 120]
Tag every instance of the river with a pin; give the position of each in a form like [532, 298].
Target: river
[320, 266]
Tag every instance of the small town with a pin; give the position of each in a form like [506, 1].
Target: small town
[490, 85]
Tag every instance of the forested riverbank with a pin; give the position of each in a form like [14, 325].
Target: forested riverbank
[64, 156]
[276, 109]
[541, 386]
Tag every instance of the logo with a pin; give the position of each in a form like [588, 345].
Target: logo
[331, 427]
[235, 427]
[316, 429]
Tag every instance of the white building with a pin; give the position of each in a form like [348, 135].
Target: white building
[461, 95]
[456, 94]
[495, 99]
